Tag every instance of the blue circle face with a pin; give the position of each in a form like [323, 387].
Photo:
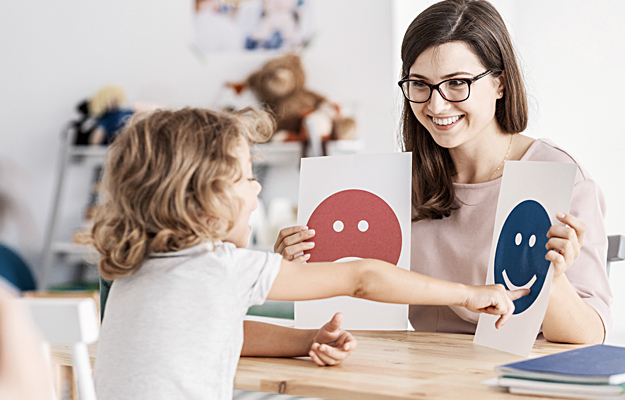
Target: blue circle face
[520, 255]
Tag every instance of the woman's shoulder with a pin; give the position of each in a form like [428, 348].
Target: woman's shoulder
[547, 150]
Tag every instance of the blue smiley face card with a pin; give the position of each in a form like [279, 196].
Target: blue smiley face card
[531, 194]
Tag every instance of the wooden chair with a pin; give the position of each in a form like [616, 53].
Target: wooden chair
[72, 322]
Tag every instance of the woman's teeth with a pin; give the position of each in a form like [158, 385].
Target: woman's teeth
[445, 121]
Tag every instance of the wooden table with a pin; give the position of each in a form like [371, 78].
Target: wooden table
[386, 365]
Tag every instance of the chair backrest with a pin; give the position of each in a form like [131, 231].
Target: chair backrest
[616, 250]
[74, 322]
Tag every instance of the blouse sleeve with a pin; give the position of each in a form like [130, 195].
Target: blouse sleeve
[588, 274]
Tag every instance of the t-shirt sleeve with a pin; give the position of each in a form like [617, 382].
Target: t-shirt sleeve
[587, 274]
[256, 271]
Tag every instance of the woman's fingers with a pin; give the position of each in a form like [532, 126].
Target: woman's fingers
[575, 223]
[291, 241]
[562, 253]
[290, 252]
[302, 259]
[284, 233]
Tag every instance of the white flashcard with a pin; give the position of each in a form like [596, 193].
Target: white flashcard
[359, 207]
[531, 194]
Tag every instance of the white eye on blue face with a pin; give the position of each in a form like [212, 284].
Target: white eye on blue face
[518, 238]
[532, 241]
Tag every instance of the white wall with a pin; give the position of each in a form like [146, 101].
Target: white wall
[55, 54]
[572, 54]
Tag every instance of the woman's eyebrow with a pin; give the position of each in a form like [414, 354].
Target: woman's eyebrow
[417, 76]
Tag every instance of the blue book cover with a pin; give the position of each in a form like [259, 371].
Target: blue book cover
[599, 364]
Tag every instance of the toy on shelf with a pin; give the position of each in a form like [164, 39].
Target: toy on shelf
[301, 114]
[107, 105]
[84, 126]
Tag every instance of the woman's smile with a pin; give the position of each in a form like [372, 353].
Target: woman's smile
[446, 123]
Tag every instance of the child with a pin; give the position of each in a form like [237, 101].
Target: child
[172, 229]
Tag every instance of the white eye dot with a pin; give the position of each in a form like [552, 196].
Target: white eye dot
[338, 226]
[518, 238]
[363, 226]
[532, 240]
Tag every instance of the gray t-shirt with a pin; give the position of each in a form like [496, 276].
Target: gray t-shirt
[174, 328]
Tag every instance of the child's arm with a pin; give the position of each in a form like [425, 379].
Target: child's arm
[384, 282]
[328, 346]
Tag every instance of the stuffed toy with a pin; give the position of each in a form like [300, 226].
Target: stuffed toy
[84, 126]
[301, 115]
[107, 105]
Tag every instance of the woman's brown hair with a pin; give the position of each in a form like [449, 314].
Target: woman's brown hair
[167, 184]
[477, 24]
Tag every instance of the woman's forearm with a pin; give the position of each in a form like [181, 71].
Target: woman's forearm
[568, 318]
[268, 340]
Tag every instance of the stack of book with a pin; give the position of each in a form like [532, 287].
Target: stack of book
[594, 372]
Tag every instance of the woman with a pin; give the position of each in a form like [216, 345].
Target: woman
[464, 108]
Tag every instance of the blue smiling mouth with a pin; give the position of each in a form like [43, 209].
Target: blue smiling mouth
[512, 286]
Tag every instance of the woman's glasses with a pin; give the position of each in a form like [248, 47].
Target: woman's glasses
[453, 90]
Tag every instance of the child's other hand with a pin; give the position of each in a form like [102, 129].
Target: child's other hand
[565, 242]
[290, 242]
[493, 299]
[331, 344]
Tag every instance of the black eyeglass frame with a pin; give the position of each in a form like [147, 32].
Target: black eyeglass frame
[469, 81]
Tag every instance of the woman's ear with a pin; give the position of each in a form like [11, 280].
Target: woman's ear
[502, 85]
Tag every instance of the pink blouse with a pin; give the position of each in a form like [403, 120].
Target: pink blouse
[457, 248]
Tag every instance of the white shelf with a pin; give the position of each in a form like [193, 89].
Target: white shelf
[290, 153]
[87, 153]
[71, 249]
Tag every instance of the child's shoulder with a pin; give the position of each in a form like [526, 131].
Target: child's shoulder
[216, 253]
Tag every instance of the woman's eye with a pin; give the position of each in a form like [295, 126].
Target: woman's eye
[417, 84]
[456, 84]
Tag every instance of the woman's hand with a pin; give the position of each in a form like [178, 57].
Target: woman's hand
[291, 242]
[493, 299]
[331, 345]
[565, 242]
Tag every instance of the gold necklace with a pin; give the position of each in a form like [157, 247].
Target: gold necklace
[504, 159]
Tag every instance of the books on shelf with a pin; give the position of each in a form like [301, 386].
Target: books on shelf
[594, 372]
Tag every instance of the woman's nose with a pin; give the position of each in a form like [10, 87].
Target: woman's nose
[437, 104]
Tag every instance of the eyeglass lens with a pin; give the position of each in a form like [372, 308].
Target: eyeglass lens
[452, 90]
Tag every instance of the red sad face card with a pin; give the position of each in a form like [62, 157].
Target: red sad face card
[359, 207]
[355, 223]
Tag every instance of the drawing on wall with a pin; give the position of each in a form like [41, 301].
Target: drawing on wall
[520, 255]
[222, 25]
[360, 207]
[355, 224]
[531, 194]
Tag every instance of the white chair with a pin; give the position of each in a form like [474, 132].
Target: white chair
[73, 322]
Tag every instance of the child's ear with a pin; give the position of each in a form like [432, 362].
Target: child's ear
[217, 227]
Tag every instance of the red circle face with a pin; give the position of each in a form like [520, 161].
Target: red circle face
[355, 223]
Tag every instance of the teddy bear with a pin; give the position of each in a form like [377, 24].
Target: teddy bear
[301, 114]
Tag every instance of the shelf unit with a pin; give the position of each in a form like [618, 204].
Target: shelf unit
[52, 249]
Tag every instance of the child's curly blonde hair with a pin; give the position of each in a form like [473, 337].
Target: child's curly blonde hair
[168, 184]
